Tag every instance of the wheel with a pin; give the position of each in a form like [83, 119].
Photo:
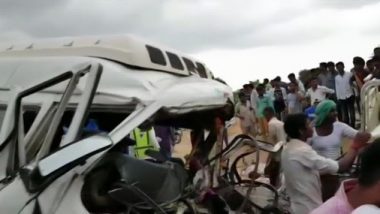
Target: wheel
[241, 165]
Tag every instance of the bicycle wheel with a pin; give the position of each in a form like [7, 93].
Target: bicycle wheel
[261, 196]
[238, 170]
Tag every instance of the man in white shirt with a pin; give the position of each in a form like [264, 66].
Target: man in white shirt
[276, 134]
[317, 92]
[301, 87]
[275, 127]
[345, 95]
[302, 165]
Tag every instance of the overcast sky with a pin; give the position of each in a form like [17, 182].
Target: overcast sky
[239, 40]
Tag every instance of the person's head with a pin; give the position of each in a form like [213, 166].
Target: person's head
[246, 87]
[314, 83]
[292, 87]
[369, 174]
[297, 126]
[358, 62]
[340, 67]
[242, 97]
[376, 51]
[266, 81]
[325, 113]
[376, 63]
[331, 66]
[276, 82]
[370, 65]
[292, 77]
[323, 67]
[250, 87]
[268, 113]
[272, 83]
[260, 89]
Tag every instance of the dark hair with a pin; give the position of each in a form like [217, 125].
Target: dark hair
[323, 64]
[339, 63]
[269, 110]
[375, 58]
[245, 86]
[370, 61]
[294, 123]
[313, 78]
[250, 85]
[278, 79]
[358, 61]
[241, 94]
[260, 87]
[329, 64]
[370, 165]
[292, 75]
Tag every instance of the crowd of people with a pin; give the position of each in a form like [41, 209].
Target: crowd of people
[314, 117]
[330, 81]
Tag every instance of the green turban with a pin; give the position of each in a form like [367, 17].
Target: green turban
[323, 110]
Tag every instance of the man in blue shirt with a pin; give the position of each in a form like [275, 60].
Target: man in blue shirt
[310, 111]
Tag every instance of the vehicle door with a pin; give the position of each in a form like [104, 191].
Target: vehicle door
[25, 140]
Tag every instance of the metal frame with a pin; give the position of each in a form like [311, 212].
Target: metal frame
[364, 91]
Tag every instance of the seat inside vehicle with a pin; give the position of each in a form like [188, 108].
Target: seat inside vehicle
[161, 182]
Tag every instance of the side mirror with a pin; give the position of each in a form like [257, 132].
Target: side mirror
[51, 167]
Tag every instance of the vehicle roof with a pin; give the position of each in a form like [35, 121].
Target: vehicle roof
[119, 84]
[126, 49]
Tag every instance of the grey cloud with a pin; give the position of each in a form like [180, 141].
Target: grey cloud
[185, 25]
[344, 3]
[195, 29]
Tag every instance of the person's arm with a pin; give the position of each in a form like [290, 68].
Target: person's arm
[327, 90]
[254, 100]
[272, 133]
[348, 159]
[309, 158]
[308, 93]
[301, 87]
[153, 138]
[237, 110]
[300, 96]
[351, 133]
[283, 90]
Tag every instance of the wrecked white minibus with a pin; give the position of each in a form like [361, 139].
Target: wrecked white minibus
[51, 88]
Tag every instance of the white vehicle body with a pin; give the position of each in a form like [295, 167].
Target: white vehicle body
[84, 76]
